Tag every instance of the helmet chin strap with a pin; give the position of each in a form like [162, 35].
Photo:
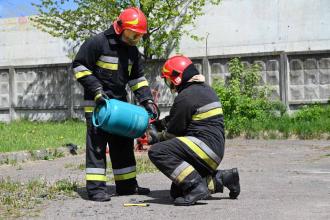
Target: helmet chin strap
[173, 88]
[170, 85]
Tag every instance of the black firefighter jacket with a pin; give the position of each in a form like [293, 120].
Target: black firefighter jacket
[103, 61]
[197, 111]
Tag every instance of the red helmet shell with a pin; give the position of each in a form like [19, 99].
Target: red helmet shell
[132, 19]
[174, 67]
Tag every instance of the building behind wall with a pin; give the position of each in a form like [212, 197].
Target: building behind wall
[290, 40]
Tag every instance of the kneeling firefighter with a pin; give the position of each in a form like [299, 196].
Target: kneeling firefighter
[189, 144]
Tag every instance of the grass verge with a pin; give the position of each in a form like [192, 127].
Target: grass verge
[27, 135]
[25, 199]
[312, 122]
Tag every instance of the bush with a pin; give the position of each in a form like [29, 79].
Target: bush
[312, 121]
[243, 100]
[309, 113]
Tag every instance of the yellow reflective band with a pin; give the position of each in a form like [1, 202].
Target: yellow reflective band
[82, 74]
[133, 22]
[184, 174]
[129, 69]
[110, 66]
[213, 112]
[89, 109]
[97, 96]
[165, 70]
[139, 85]
[125, 176]
[199, 152]
[95, 177]
[210, 184]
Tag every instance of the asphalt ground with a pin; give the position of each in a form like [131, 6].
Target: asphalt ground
[280, 179]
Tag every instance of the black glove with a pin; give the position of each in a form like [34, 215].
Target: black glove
[151, 108]
[152, 134]
[160, 125]
[100, 97]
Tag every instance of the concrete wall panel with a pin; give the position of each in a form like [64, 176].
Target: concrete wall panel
[311, 73]
[41, 87]
[4, 88]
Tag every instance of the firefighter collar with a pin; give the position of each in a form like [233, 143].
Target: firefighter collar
[112, 36]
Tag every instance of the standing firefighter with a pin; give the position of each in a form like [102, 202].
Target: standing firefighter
[104, 65]
[191, 147]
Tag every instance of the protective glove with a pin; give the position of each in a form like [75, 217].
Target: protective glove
[160, 125]
[151, 108]
[152, 134]
[100, 97]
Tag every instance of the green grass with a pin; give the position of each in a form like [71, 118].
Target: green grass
[27, 135]
[300, 125]
[25, 199]
[311, 122]
[144, 165]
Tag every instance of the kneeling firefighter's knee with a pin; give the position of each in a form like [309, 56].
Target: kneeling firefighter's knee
[152, 152]
[155, 152]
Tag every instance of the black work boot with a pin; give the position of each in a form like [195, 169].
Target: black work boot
[193, 194]
[229, 179]
[175, 191]
[99, 197]
[136, 190]
[141, 190]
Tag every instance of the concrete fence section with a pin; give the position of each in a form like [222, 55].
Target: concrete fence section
[49, 92]
[294, 78]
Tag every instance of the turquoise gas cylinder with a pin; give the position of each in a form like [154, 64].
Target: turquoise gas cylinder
[121, 118]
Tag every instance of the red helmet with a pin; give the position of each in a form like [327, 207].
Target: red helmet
[132, 19]
[174, 67]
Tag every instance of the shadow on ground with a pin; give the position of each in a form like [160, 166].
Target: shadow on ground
[82, 191]
[156, 196]
[163, 197]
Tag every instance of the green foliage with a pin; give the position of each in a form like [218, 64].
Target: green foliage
[248, 111]
[310, 113]
[312, 121]
[166, 20]
[242, 99]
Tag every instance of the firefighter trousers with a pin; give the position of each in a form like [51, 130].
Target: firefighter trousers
[121, 155]
[187, 159]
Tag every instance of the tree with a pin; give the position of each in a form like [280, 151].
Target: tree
[166, 20]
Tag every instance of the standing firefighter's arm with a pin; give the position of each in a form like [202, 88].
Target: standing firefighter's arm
[84, 63]
[140, 86]
[138, 83]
